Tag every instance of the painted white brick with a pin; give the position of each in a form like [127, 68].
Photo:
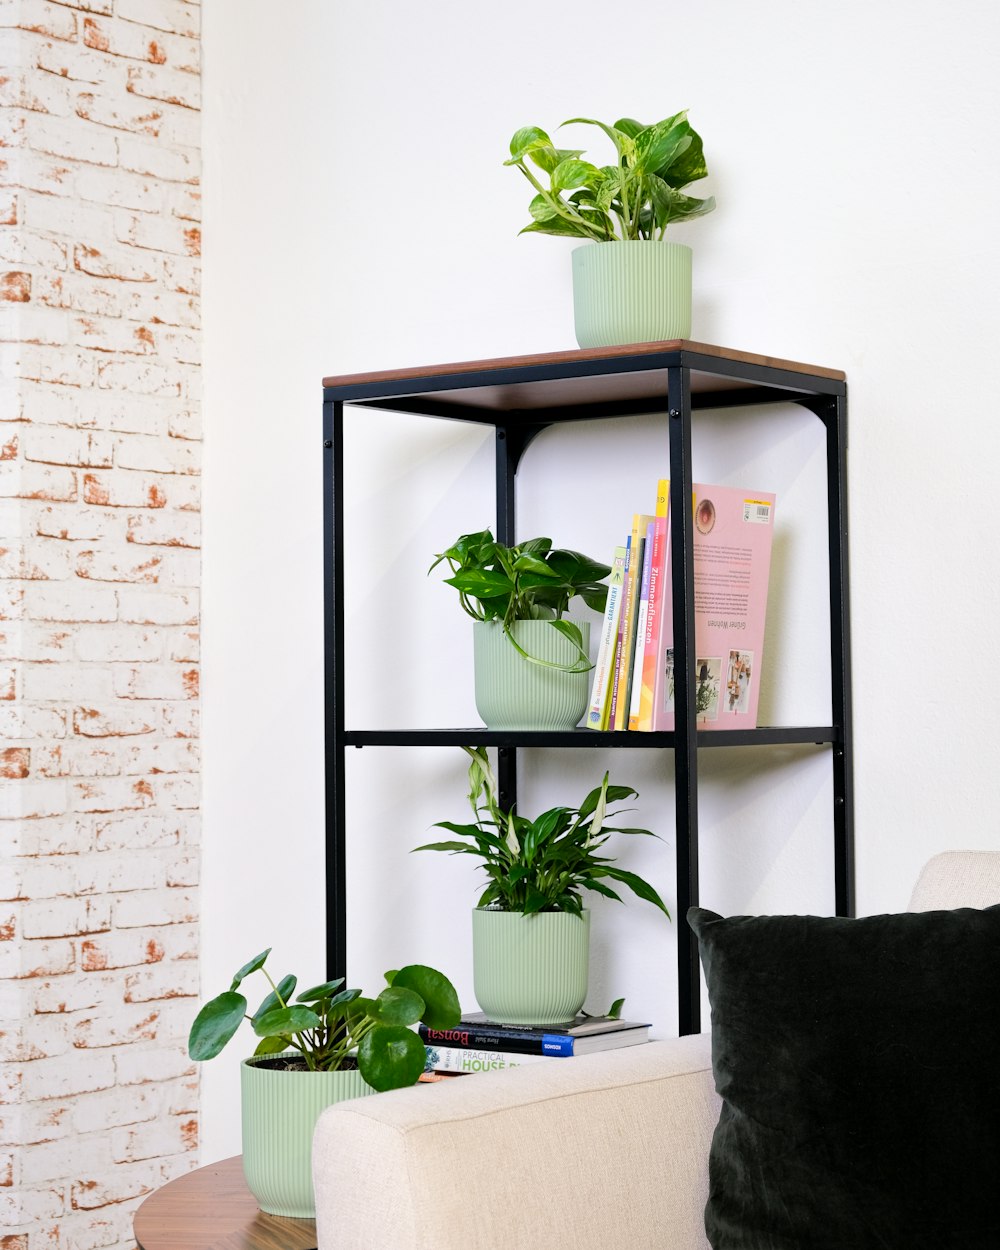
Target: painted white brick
[143, 833]
[172, 164]
[109, 873]
[45, 19]
[157, 455]
[177, 979]
[99, 508]
[111, 794]
[135, 116]
[162, 682]
[37, 559]
[73, 602]
[178, 756]
[66, 918]
[118, 643]
[137, 1065]
[28, 481]
[70, 139]
[115, 1107]
[28, 800]
[23, 721]
[44, 683]
[113, 721]
[83, 448]
[141, 908]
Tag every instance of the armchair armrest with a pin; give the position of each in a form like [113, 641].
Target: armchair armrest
[606, 1149]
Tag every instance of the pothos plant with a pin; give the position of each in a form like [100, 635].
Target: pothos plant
[530, 581]
[635, 198]
[547, 863]
[328, 1029]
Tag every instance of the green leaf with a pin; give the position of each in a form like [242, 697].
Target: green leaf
[550, 158]
[659, 146]
[480, 582]
[671, 205]
[321, 991]
[542, 209]
[642, 889]
[277, 997]
[576, 568]
[215, 1024]
[455, 847]
[688, 167]
[628, 126]
[614, 1012]
[525, 140]
[574, 173]
[271, 1046]
[441, 1006]
[595, 597]
[624, 144]
[399, 1005]
[559, 226]
[252, 966]
[391, 1057]
[286, 1020]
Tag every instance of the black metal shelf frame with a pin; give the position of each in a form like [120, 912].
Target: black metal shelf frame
[452, 393]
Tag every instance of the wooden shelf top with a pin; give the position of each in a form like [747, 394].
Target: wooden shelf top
[632, 373]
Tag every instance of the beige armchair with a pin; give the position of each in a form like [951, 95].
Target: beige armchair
[602, 1150]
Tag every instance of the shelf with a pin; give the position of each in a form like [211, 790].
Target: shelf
[811, 735]
[519, 396]
[574, 385]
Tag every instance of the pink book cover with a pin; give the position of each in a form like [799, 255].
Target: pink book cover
[732, 563]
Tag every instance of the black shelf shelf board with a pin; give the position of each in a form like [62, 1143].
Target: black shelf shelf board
[798, 735]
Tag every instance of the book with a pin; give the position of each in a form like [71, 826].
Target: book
[654, 611]
[733, 531]
[456, 1060]
[626, 632]
[585, 1035]
[597, 715]
[639, 650]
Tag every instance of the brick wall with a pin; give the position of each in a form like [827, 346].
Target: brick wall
[99, 579]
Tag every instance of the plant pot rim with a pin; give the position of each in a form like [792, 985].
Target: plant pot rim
[506, 911]
[632, 243]
[260, 1063]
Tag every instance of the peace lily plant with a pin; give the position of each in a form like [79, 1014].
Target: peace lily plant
[545, 864]
[329, 1029]
[635, 198]
[529, 581]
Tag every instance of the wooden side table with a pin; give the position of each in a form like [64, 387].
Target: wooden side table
[212, 1209]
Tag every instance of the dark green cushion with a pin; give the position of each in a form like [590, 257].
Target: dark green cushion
[859, 1064]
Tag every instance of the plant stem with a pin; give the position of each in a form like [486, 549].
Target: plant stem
[560, 205]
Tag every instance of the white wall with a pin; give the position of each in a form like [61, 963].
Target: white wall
[358, 216]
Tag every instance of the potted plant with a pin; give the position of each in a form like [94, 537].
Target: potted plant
[325, 1045]
[639, 291]
[531, 661]
[530, 929]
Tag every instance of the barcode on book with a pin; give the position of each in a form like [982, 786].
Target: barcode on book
[757, 510]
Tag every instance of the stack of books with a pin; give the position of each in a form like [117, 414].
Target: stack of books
[633, 684]
[481, 1045]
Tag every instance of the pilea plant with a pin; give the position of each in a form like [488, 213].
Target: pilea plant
[543, 864]
[327, 1028]
[530, 581]
[636, 198]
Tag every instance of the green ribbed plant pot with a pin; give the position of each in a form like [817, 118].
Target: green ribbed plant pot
[513, 693]
[638, 291]
[280, 1110]
[530, 969]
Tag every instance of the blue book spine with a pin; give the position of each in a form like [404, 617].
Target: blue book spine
[554, 1044]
